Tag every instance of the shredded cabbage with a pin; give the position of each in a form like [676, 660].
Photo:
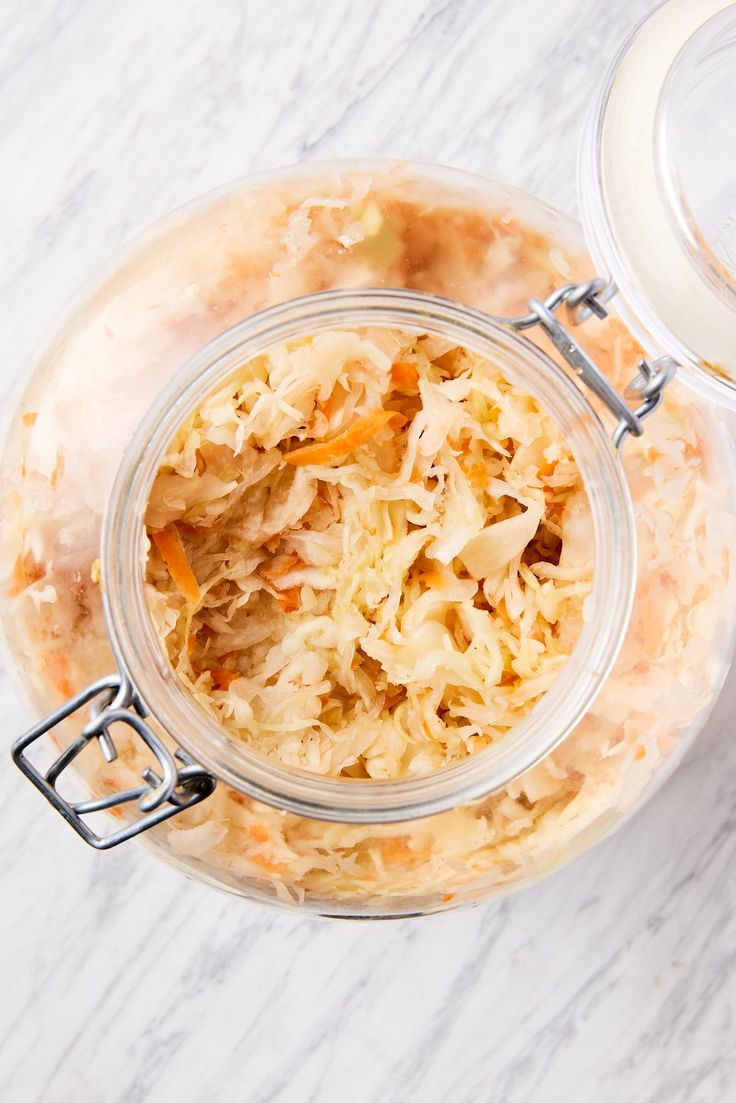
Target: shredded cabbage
[375, 521]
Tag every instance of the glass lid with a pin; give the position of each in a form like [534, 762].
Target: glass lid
[658, 188]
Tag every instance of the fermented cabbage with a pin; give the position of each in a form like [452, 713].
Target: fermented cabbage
[369, 553]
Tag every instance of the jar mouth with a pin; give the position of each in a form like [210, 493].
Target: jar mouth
[608, 607]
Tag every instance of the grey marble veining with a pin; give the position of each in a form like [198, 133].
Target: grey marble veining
[614, 980]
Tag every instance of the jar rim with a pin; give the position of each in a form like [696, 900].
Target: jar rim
[608, 607]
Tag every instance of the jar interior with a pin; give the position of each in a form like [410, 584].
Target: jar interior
[607, 608]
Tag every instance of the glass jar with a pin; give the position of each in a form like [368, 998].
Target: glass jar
[226, 278]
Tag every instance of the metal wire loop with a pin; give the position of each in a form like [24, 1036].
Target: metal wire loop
[177, 782]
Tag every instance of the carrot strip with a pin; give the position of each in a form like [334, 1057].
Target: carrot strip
[362, 430]
[404, 376]
[267, 864]
[477, 475]
[25, 572]
[223, 679]
[58, 471]
[259, 833]
[56, 669]
[396, 852]
[279, 567]
[29, 419]
[173, 555]
[289, 600]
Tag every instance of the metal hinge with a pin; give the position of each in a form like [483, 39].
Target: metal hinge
[643, 394]
[176, 784]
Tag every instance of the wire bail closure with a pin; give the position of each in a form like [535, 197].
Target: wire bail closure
[177, 784]
[642, 395]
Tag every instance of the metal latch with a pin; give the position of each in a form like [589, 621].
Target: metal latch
[643, 394]
[176, 784]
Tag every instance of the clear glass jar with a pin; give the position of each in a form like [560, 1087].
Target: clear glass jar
[195, 292]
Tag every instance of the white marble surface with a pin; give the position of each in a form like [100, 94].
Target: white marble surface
[615, 980]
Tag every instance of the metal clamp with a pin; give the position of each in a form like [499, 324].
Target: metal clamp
[178, 783]
[643, 394]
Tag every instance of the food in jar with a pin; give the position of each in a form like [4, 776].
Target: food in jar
[387, 226]
[369, 553]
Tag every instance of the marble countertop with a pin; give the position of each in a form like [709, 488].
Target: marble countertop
[614, 980]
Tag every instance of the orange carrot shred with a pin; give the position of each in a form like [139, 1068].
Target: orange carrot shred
[223, 679]
[404, 376]
[259, 833]
[290, 600]
[191, 643]
[171, 551]
[280, 566]
[477, 475]
[25, 571]
[267, 864]
[29, 419]
[58, 471]
[396, 850]
[362, 430]
[56, 668]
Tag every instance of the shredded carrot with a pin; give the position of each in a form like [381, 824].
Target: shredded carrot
[223, 679]
[325, 407]
[267, 864]
[58, 471]
[477, 475]
[259, 833]
[280, 566]
[173, 555]
[362, 430]
[29, 419]
[448, 896]
[396, 850]
[640, 753]
[404, 376]
[191, 643]
[290, 600]
[56, 669]
[25, 571]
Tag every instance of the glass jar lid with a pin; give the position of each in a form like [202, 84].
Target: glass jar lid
[658, 188]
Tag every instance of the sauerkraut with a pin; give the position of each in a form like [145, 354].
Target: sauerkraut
[369, 553]
[254, 246]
